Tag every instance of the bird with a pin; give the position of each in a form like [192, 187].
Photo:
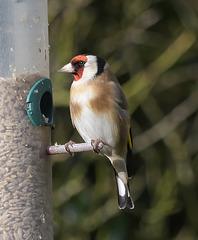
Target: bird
[100, 113]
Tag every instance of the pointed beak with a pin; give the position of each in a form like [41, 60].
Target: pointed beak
[67, 68]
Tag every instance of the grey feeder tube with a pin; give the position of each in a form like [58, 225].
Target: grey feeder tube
[25, 168]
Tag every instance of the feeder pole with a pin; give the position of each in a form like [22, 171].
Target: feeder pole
[25, 168]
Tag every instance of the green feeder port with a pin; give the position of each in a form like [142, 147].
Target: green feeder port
[40, 104]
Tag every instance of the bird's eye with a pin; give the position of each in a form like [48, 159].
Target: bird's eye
[79, 64]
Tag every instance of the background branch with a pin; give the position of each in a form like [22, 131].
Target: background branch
[167, 124]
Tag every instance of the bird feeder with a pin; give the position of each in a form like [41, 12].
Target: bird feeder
[25, 119]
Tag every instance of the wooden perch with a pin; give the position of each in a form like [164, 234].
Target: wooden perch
[73, 148]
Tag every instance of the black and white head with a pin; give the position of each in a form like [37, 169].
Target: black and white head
[85, 67]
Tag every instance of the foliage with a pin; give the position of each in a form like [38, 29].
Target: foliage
[151, 46]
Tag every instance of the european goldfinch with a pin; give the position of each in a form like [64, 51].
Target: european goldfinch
[99, 111]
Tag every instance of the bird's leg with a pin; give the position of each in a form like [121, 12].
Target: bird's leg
[67, 147]
[96, 145]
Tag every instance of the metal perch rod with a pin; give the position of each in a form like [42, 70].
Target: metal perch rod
[73, 148]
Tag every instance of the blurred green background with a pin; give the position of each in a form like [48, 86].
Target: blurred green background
[151, 46]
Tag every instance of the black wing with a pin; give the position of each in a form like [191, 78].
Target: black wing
[129, 155]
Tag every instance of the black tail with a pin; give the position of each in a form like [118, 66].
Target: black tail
[124, 197]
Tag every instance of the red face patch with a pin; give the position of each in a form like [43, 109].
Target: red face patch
[77, 62]
[78, 59]
[78, 75]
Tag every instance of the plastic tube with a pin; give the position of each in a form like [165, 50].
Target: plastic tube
[25, 168]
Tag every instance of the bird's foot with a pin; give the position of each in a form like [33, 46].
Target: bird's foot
[97, 145]
[67, 147]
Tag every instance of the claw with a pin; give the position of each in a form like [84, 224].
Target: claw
[67, 147]
[96, 145]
